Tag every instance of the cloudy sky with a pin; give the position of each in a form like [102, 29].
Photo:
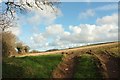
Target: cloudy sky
[74, 24]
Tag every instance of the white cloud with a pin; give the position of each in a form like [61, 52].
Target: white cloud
[89, 34]
[108, 7]
[15, 30]
[55, 36]
[91, 12]
[93, 33]
[75, 29]
[55, 29]
[38, 38]
[36, 17]
[45, 16]
[86, 14]
[108, 20]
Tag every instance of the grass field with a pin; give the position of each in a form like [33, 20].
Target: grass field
[43, 66]
[87, 68]
[30, 67]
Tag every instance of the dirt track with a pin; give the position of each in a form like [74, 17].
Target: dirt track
[107, 64]
[69, 50]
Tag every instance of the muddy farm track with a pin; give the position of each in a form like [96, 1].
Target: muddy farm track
[106, 60]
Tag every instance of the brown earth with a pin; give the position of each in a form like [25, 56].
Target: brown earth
[66, 68]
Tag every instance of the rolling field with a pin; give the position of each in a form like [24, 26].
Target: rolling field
[95, 61]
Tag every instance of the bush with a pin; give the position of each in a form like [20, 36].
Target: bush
[21, 48]
[26, 48]
[8, 43]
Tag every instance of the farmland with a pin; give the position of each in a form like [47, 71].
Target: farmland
[95, 61]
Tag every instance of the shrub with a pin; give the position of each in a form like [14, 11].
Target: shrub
[8, 43]
[22, 48]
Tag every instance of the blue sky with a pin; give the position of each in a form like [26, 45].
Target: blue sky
[71, 11]
[76, 24]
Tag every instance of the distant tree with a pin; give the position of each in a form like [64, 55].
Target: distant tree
[52, 50]
[26, 48]
[8, 43]
[21, 48]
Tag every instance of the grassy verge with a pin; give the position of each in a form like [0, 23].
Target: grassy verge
[86, 68]
[30, 67]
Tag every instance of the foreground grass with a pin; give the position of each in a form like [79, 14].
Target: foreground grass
[86, 68]
[30, 67]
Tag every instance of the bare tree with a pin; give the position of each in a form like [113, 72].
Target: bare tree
[22, 5]
[12, 6]
[5, 22]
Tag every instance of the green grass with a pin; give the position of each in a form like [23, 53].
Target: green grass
[86, 68]
[30, 67]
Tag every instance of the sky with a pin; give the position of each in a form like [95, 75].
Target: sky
[74, 24]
